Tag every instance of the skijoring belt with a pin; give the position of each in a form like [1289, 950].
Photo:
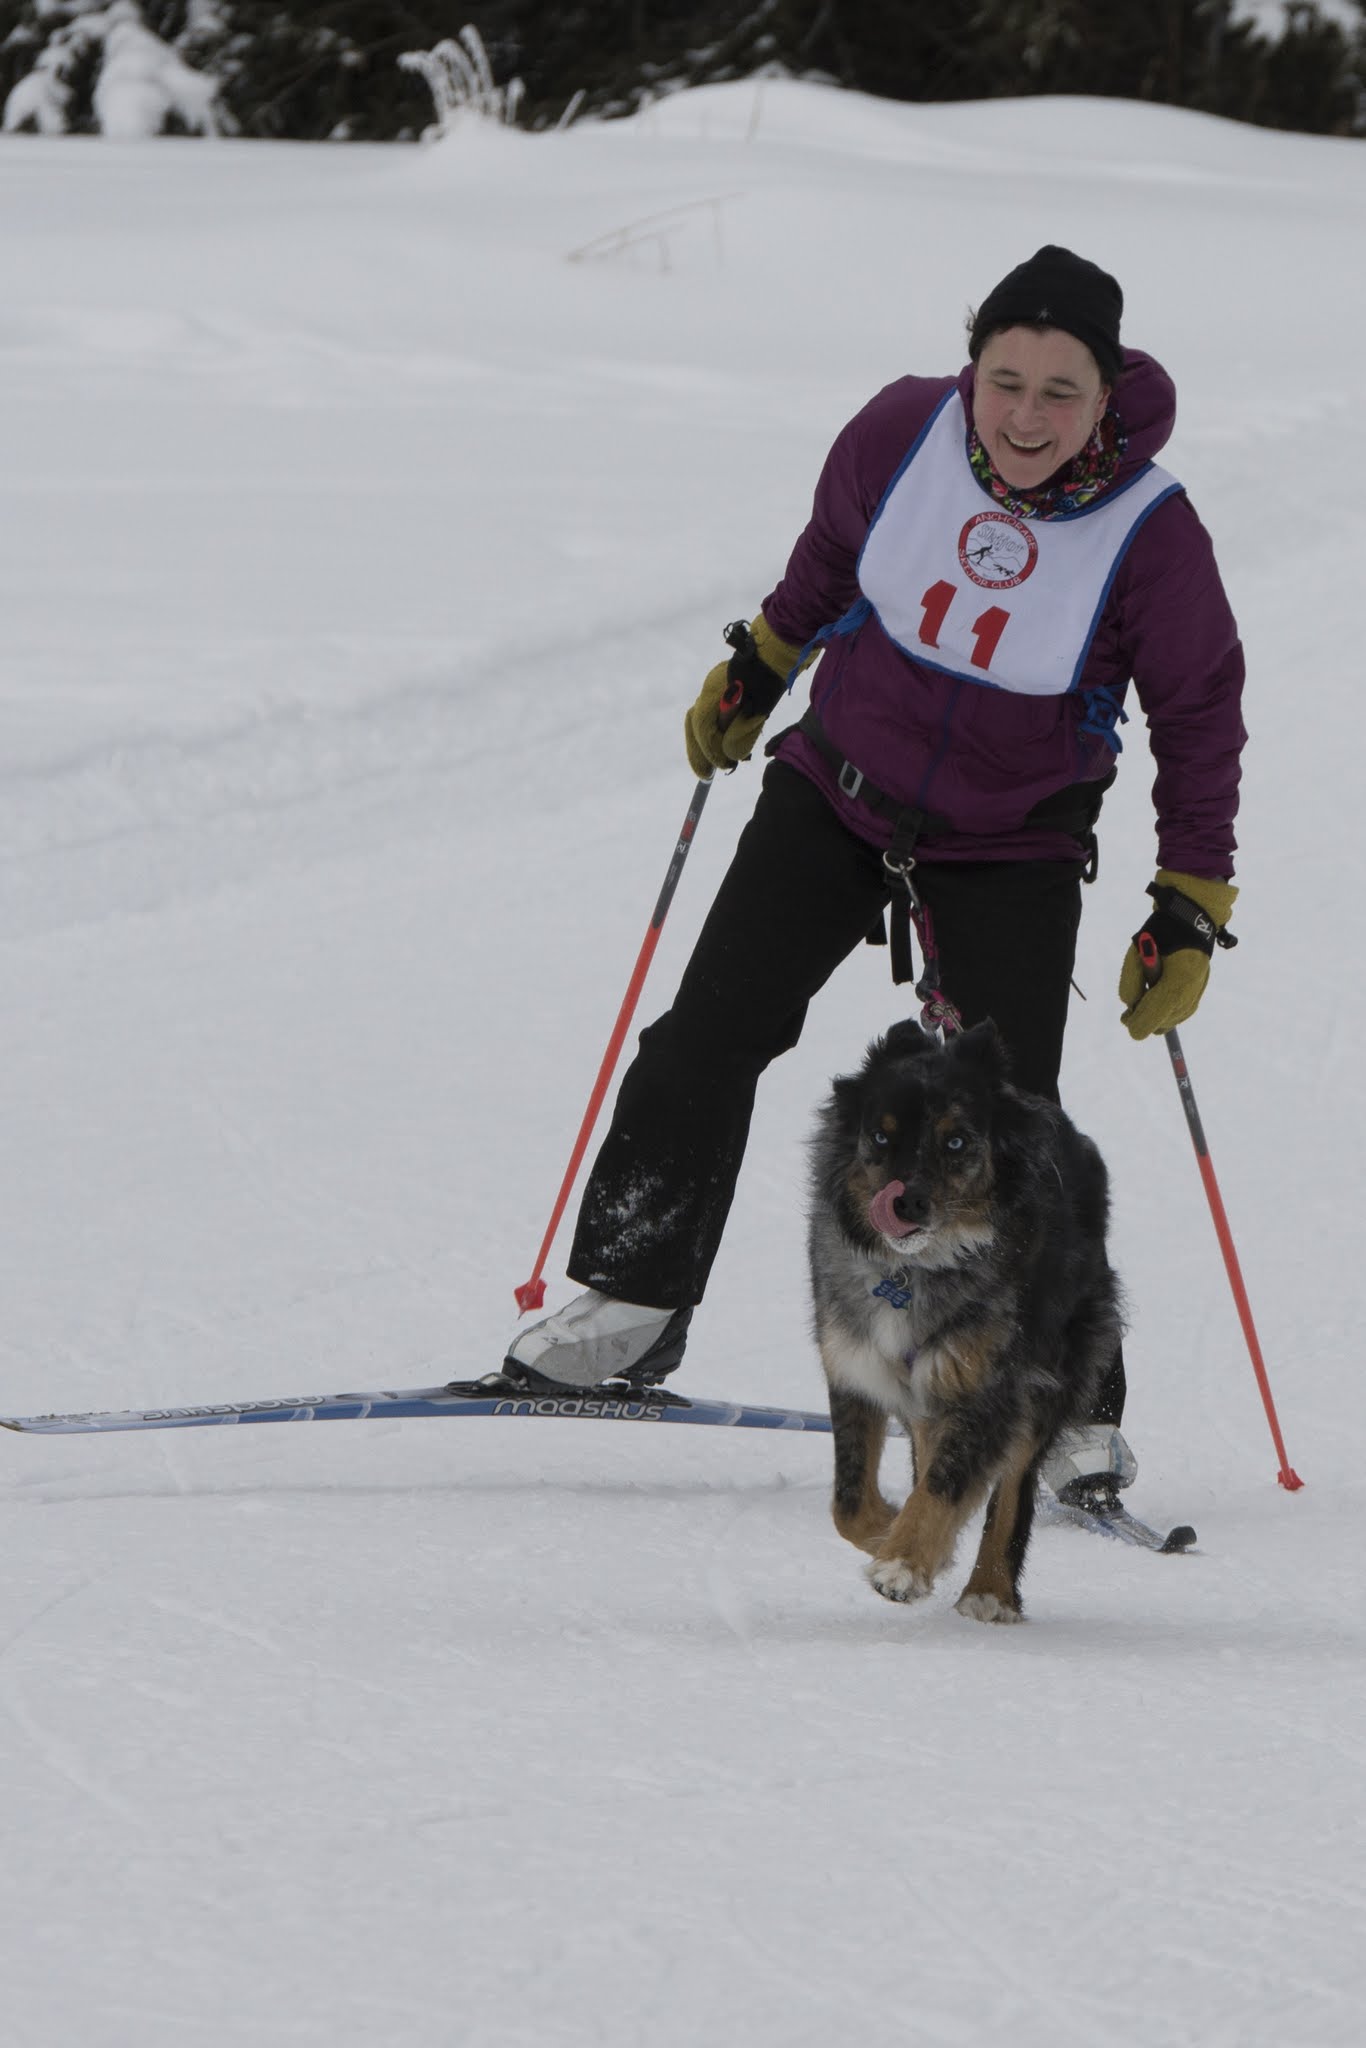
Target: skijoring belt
[1072, 810]
[908, 821]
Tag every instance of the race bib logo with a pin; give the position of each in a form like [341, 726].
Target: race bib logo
[997, 550]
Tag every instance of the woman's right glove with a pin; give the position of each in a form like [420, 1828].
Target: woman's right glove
[1181, 933]
[724, 723]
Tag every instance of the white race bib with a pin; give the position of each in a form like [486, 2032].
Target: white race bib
[962, 585]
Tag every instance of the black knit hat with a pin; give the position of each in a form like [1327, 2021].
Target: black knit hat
[1057, 289]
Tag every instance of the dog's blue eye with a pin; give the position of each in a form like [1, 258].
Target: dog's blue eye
[881, 1138]
[955, 1143]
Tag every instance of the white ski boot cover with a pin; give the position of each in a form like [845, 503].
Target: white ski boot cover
[1095, 1450]
[593, 1338]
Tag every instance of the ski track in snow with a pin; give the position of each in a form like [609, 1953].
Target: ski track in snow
[359, 555]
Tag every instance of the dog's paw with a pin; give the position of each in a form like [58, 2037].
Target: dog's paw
[986, 1607]
[897, 1580]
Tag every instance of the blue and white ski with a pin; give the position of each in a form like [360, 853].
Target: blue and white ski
[494, 1395]
[1115, 1522]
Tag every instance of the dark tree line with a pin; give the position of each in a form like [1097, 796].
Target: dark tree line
[329, 68]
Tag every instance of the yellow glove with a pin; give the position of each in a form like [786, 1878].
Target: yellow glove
[751, 682]
[1185, 926]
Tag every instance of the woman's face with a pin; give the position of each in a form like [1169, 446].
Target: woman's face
[1037, 399]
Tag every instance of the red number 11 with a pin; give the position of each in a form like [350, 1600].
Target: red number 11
[987, 629]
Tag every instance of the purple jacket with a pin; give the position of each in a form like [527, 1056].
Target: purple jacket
[982, 758]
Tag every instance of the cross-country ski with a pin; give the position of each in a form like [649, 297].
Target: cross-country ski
[493, 1396]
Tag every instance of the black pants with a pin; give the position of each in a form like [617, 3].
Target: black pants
[799, 896]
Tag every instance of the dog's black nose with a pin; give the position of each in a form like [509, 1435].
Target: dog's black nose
[912, 1205]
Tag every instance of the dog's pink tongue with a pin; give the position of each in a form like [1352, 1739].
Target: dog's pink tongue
[882, 1211]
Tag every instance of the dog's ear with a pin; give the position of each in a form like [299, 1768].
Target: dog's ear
[847, 1100]
[905, 1040]
[983, 1049]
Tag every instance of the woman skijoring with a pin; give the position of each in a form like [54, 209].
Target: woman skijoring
[991, 561]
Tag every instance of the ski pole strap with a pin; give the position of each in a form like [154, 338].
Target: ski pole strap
[1178, 924]
[752, 687]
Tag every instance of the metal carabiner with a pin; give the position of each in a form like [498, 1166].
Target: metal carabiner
[900, 867]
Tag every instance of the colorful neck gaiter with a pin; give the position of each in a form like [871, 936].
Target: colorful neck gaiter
[1078, 486]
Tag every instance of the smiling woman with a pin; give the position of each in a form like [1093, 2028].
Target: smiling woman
[1039, 399]
[1045, 345]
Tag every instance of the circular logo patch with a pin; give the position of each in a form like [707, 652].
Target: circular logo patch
[997, 551]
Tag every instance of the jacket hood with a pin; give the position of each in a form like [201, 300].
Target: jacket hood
[1144, 398]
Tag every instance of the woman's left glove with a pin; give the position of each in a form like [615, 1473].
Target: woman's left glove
[724, 723]
[1186, 924]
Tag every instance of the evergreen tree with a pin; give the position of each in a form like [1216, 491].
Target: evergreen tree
[317, 69]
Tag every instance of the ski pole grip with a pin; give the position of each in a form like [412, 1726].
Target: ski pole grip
[739, 637]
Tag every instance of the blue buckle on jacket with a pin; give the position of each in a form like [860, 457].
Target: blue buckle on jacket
[1103, 713]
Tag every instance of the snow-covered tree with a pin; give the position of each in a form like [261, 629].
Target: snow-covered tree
[331, 69]
[105, 68]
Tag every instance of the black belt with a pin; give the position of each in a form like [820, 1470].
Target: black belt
[1073, 810]
[855, 784]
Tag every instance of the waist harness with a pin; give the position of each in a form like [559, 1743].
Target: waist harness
[1073, 810]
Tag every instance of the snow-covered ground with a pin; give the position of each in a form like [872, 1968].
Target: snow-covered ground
[360, 552]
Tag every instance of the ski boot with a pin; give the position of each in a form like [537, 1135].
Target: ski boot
[1088, 1465]
[594, 1339]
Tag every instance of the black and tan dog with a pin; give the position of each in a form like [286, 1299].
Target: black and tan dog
[961, 1284]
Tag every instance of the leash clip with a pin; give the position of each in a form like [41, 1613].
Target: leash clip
[938, 1015]
[900, 866]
